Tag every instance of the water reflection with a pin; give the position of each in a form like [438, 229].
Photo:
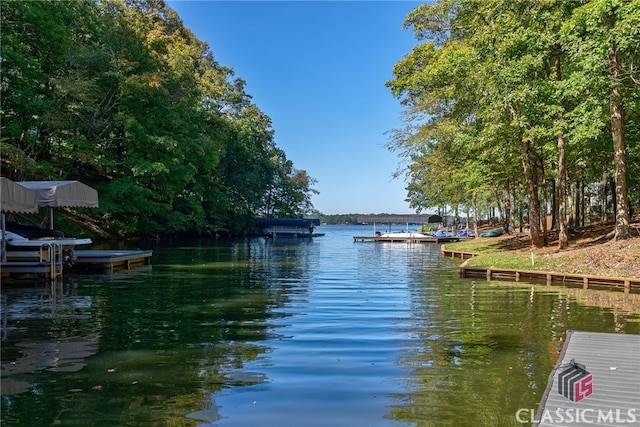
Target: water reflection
[44, 328]
[285, 332]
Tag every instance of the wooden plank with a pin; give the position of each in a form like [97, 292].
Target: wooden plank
[109, 261]
[382, 239]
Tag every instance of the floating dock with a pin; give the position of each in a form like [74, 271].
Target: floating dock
[414, 239]
[109, 261]
[596, 381]
[101, 261]
[27, 267]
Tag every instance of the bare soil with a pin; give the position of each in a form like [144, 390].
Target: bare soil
[590, 251]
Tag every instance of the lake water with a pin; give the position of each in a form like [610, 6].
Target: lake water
[254, 332]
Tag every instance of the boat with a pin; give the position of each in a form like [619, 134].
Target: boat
[492, 233]
[25, 241]
[443, 233]
[465, 233]
[403, 235]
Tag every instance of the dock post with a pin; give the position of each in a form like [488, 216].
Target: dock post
[585, 283]
[488, 274]
[627, 286]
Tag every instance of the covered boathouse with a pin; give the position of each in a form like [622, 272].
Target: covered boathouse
[288, 227]
[399, 219]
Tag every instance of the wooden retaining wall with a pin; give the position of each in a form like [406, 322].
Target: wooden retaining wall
[586, 281]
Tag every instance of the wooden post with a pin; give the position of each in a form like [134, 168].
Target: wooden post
[585, 283]
[548, 279]
[627, 286]
[517, 276]
[488, 274]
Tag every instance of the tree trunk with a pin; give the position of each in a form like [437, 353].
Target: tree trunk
[500, 206]
[512, 203]
[507, 209]
[475, 214]
[545, 202]
[563, 235]
[554, 204]
[532, 195]
[577, 205]
[583, 204]
[521, 213]
[603, 203]
[619, 147]
[614, 201]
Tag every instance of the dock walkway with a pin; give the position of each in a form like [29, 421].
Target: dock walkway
[596, 381]
[426, 239]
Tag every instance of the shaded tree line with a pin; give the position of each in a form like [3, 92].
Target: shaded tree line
[120, 95]
[531, 106]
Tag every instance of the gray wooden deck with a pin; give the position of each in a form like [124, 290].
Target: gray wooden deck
[603, 391]
[112, 260]
[103, 261]
[400, 239]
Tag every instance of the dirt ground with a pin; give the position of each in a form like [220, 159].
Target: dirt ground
[589, 251]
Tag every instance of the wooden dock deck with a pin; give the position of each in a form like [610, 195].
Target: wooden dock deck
[426, 239]
[596, 381]
[109, 261]
[102, 261]
[27, 267]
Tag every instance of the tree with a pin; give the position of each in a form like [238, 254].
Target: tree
[602, 38]
[495, 82]
[119, 94]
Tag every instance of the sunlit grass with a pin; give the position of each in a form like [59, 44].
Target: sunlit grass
[491, 253]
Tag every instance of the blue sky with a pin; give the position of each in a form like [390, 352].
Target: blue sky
[318, 69]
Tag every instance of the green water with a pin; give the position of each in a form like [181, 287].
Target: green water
[322, 332]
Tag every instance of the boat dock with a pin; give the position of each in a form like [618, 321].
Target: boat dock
[405, 239]
[7, 268]
[595, 382]
[108, 261]
[101, 261]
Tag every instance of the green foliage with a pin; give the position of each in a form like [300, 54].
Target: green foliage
[120, 95]
[495, 83]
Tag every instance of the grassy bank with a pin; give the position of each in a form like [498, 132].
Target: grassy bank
[584, 256]
[492, 254]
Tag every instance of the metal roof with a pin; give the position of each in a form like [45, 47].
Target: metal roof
[602, 389]
[400, 219]
[288, 222]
